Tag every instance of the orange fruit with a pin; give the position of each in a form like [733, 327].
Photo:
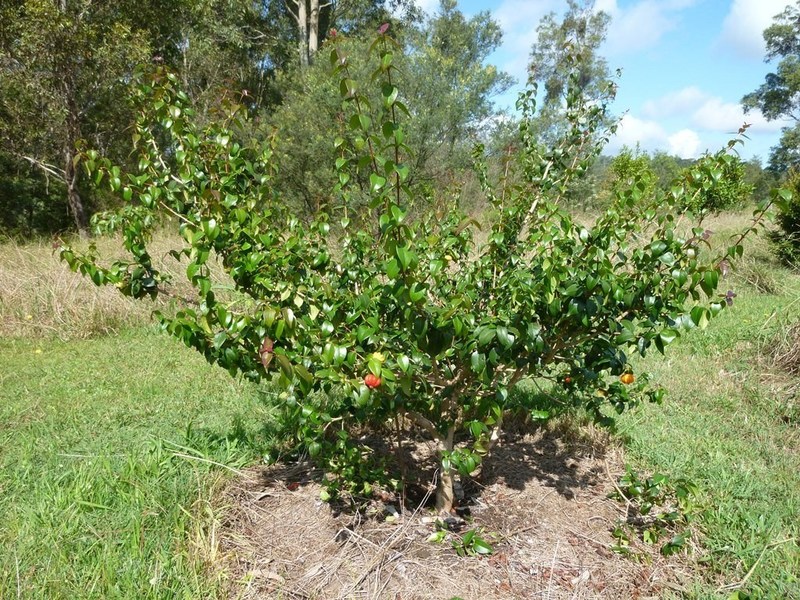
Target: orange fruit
[627, 378]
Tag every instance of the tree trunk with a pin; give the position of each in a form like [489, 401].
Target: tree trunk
[313, 30]
[302, 30]
[444, 491]
[445, 496]
[73, 196]
[71, 174]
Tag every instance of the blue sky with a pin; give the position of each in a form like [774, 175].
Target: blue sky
[685, 66]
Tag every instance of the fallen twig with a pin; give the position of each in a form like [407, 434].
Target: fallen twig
[740, 584]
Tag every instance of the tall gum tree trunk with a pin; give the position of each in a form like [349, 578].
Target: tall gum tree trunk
[302, 29]
[313, 30]
[71, 174]
[307, 17]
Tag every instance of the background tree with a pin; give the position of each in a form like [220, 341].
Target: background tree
[786, 237]
[61, 78]
[446, 85]
[731, 191]
[564, 47]
[565, 56]
[450, 86]
[779, 96]
[30, 203]
[63, 72]
[313, 19]
[631, 166]
[759, 179]
[225, 46]
[667, 168]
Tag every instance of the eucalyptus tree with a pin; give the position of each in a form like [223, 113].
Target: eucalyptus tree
[65, 69]
[451, 84]
[314, 19]
[447, 86]
[568, 46]
[779, 96]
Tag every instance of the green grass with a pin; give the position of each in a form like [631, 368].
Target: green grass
[729, 425]
[105, 479]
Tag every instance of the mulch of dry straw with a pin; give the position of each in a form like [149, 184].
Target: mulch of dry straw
[543, 506]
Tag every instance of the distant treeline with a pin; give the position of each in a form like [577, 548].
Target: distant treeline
[66, 68]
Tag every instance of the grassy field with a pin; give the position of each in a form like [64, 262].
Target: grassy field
[731, 423]
[112, 446]
[106, 477]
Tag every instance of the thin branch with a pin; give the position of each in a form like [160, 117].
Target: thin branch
[49, 169]
[297, 4]
[739, 584]
[628, 501]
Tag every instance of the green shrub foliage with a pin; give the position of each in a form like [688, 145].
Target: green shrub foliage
[386, 315]
[715, 183]
[786, 238]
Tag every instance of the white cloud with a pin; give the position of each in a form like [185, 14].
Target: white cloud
[743, 27]
[716, 115]
[651, 136]
[688, 141]
[641, 25]
[674, 103]
[632, 132]
[684, 144]
[705, 112]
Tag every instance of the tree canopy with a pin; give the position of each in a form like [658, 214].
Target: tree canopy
[564, 47]
[779, 96]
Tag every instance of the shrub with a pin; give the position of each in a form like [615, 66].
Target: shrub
[371, 317]
[716, 182]
[631, 167]
[786, 238]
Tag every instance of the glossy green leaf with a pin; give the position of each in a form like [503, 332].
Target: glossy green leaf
[403, 362]
[668, 336]
[285, 365]
[376, 182]
[478, 362]
[505, 338]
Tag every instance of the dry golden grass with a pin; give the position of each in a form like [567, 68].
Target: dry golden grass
[41, 297]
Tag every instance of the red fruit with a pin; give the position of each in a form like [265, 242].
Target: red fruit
[372, 381]
[265, 352]
[567, 380]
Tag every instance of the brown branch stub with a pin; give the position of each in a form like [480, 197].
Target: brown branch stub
[425, 423]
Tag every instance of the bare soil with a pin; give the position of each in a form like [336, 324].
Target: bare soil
[541, 502]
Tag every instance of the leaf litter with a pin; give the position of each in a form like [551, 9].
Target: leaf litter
[541, 501]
